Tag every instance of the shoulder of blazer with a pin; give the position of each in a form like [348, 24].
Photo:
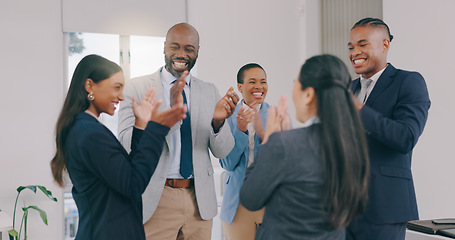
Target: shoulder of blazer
[389, 72]
[146, 79]
[200, 83]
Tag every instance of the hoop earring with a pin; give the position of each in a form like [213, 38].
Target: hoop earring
[90, 96]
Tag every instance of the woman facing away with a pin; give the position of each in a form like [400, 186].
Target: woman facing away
[312, 180]
[107, 181]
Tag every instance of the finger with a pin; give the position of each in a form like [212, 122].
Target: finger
[179, 110]
[271, 114]
[156, 107]
[283, 105]
[228, 95]
[235, 97]
[228, 108]
[181, 85]
[230, 102]
[229, 91]
[183, 76]
[134, 101]
[253, 105]
[147, 95]
[152, 94]
[249, 113]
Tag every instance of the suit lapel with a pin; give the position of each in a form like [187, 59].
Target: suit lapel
[236, 112]
[158, 86]
[355, 85]
[383, 82]
[194, 106]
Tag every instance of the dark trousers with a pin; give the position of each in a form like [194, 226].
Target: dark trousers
[360, 229]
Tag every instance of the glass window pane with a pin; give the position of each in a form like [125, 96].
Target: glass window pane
[105, 45]
[146, 55]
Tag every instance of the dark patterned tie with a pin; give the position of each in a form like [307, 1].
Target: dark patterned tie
[186, 155]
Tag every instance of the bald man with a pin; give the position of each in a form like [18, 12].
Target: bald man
[180, 200]
[393, 106]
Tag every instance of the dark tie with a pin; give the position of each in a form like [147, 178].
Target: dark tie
[186, 155]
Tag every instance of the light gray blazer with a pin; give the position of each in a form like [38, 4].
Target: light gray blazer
[204, 97]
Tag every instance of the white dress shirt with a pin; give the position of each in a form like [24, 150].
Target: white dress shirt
[374, 79]
[175, 144]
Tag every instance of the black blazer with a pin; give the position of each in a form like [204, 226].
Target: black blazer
[287, 177]
[394, 117]
[107, 182]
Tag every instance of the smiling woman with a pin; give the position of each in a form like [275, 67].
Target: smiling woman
[107, 181]
[144, 56]
[105, 95]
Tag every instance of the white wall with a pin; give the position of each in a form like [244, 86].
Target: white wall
[237, 32]
[423, 42]
[32, 92]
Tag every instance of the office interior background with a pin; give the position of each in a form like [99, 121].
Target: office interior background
[279, 35]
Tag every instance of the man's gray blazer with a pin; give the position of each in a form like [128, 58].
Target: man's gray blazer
[204, 97]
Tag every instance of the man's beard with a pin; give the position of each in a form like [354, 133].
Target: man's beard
[175, 73]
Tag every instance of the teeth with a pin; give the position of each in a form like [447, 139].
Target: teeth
[179, 64]
[359, 61]
[257, 94]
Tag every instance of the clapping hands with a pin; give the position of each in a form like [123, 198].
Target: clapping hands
[277, 119]
[224, 108]
[147, 110]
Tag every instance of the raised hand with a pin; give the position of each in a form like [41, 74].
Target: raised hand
[171, 116]
[143, 110]
[245, 116]
[277, 119]
[224, 108]
[273, 123]
[177, 89]
[258, 127]
[283, 112]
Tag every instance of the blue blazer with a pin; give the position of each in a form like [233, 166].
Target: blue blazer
[394, 117]
[107, 182]
[236, 163]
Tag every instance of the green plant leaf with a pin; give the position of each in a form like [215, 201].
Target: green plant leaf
[42, 213]
[12, 233]
[31, 187]
[47, 193]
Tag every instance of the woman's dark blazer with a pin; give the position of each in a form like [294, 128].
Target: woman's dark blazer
[107, 182]
[287, 177]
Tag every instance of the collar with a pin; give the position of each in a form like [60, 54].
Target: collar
[91, 114]
[168, 78]
[258, 106]
[376, 76]
[311, 121]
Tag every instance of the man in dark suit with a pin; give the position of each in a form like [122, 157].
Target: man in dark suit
[393, 106]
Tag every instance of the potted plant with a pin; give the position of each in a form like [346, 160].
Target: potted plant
[13, 233]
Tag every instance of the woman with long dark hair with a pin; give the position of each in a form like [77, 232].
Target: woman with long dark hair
[312, 180]
[107, 181]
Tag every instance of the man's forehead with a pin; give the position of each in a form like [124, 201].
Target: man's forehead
[370, 30]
